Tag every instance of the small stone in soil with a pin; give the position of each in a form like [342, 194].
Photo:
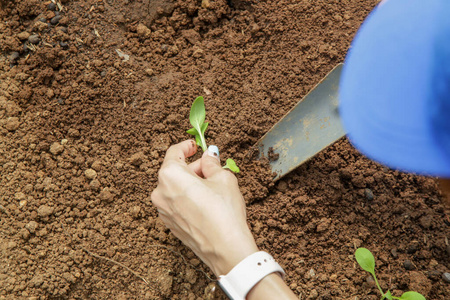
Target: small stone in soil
[34, 39]
[51, 6]
[44, 211]
[12, 124]
[408, 265]
[446, 277]
[56, 148]
[63, 44]
[55, 20]
[90, 174]
[43, 20]
[394, 253]
[23, 35]
[15, 55]
[369, 194]
[31, 226]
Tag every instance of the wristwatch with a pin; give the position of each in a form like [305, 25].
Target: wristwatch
[246, 274]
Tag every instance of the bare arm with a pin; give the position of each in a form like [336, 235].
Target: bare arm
[202, 205]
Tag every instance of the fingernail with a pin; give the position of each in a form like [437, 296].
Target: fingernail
[213, 151]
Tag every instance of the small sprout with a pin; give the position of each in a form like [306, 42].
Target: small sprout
[194, 132]
[412, 296]
[231, 165]
[366, 261]
[197, 120]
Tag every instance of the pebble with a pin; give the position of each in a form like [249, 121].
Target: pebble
[95, 184]
[24, 35]
[369, 194]
[11, 245]
[106, 195]
[32, 226]
[90, 174]
[34, 39]
[135, 211]
[137, 159]
[446, 277]
[44, 211]
[51, 6]
[24, 234]
[394, 253]
[64, 44]
[142, 30]
[97, 165]
[12, 124]
[56, 148]
[55, 20]
[408, 265]
[314, 294]
[149, 72]
[15, 55]
[19, 196]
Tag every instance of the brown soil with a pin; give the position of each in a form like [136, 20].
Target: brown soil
[83, 132]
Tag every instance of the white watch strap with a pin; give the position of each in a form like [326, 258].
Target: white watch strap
[246, 274]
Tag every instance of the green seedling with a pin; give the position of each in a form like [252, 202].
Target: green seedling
[366, 261]
[197, 118]
[230, 164]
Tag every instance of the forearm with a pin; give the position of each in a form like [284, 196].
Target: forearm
[271, 287]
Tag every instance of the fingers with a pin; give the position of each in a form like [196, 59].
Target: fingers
[196, 166]
[181, 151]
[211, 162]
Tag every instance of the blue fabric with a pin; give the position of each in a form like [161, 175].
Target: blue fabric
[395, 86]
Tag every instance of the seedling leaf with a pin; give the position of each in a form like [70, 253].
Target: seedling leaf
[388, 296]
[230, 164]
[194, 132]
[412, 296]
[197, 120]
[365, 259]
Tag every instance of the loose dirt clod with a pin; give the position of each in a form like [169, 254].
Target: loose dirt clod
[90, 174]
[56, 148]
[44, 211]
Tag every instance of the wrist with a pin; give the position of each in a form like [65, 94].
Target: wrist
[246, 275]
[232, 252]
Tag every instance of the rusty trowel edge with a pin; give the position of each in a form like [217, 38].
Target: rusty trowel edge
[258, 145]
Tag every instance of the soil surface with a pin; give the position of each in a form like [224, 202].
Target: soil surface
[92, 93]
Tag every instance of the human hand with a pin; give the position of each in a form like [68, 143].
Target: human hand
[202, 205]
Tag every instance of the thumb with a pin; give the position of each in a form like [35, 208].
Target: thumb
[211, 162]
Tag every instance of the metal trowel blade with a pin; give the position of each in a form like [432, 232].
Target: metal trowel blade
[311, 126]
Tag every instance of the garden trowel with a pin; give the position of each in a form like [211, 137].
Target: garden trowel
[311, 126]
